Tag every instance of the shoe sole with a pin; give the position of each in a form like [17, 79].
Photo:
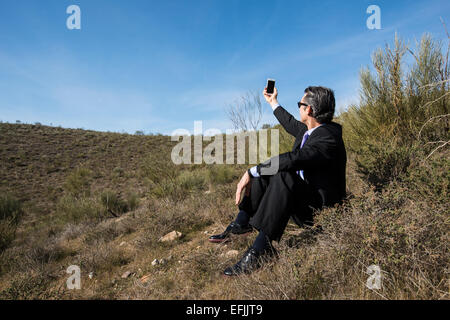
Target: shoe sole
[229, 276]
[228, 238]
[219, 241]
[241, 274]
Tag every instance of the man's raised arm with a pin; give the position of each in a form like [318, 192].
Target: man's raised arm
[289, 123]
[319, 154]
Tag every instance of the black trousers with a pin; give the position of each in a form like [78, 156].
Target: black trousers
[276, 198]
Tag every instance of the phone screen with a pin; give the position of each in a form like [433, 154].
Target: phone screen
[270, 86]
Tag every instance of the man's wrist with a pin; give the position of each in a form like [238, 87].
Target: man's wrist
[274, 104]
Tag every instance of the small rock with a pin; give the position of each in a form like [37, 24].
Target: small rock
[231, 253]
[171, 236]
[91, 275]
[122, 243]
[126, 274]
[208, 192]
[155, 262]
[145, 278]
[206, 232]
[163, 261]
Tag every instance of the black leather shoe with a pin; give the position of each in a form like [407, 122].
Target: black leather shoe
[251, 261]
[248, 263]
[233, 228]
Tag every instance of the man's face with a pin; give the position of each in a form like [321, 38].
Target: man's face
[304, 110]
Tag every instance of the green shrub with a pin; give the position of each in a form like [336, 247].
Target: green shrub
[431, 179]
[7, 233]
[166, 189]
[220, 174]
[118, 172]
[191, 180]
[72, 209]
[78, 183]
[159, 167]
[113, 203]
[170, 189]
[178, 188]
[10, 214]
[10, 208]
[394, 115]
[132, 200]
[382, 161]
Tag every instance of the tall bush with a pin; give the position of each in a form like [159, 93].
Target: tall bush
[403, 111]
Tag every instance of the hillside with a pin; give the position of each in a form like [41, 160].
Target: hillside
[60, 178]
[103, 201]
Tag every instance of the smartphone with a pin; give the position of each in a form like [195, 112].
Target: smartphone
[270, 85]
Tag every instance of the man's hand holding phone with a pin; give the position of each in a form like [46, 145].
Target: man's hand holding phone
[271, 98]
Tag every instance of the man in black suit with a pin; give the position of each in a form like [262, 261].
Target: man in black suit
[308, 178]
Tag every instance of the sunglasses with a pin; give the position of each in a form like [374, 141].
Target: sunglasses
[300, 104]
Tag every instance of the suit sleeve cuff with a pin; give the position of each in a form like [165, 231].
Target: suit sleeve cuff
[253, 172]
[274, 106]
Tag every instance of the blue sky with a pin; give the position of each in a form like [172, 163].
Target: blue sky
[158, 66]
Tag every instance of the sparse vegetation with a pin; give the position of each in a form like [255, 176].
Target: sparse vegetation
[113, 203]
[220, 174]
[10, 214]
[102, 201]
[78, 183]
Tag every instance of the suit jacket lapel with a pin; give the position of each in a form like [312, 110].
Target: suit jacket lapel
[296, 143]
[299, 138]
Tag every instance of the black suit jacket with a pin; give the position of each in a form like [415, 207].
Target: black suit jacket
[322, 158]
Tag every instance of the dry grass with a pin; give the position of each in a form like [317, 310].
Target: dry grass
[103, 200]
[402, 229]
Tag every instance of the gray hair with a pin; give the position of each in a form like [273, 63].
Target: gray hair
[322, 102]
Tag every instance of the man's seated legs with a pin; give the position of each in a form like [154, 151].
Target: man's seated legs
[270, 216]
[247, 207]
[282, 198]
[272, 201]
